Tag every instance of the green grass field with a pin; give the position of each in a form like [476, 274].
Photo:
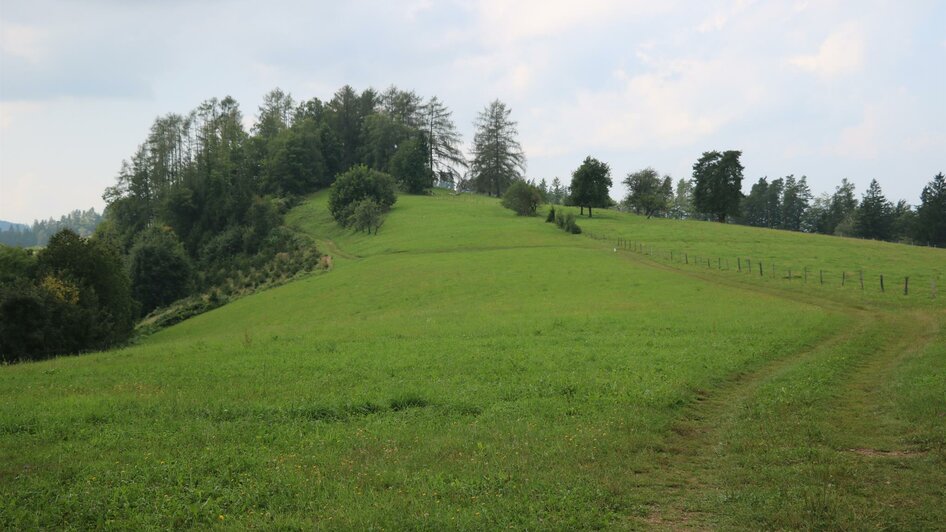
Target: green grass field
[466, 368]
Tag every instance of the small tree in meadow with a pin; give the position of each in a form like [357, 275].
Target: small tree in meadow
[522, 198]
[367, 216]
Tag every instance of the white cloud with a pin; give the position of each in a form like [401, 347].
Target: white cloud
[507, 22]
[860, 141]
[841, 53]
[10, 112]
[22, 42]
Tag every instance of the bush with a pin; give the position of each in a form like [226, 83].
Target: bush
[160, 269]
[367, 216]
[567, 223]
[356, 184]
[522, 198]
[551, 217]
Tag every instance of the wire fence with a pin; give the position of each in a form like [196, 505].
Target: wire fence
[870, 284]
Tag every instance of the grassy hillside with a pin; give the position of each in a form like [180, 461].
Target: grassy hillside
[781, 252]
[466, 368]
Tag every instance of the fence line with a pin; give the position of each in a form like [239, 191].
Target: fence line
[683, 257]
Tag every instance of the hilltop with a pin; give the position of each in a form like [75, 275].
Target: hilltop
[467, 368]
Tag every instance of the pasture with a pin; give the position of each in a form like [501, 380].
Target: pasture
[466, 368]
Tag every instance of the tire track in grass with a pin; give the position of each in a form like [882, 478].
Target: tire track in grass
[805, 441]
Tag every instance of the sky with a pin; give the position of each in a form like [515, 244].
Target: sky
[826, 89]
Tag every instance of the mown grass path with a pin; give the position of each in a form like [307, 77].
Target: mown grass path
[815, 439]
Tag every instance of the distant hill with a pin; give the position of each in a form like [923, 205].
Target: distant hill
[5, 225]
[21, 235]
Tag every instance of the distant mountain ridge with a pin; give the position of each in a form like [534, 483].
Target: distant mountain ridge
[22, 235]
[5, 225]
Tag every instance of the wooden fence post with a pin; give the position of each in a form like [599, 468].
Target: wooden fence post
[843, 277]
[760, 268]
[906, 286]
[862, 279]
[882, 283]
[739, 263]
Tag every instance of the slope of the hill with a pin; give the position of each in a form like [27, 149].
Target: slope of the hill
[466, 368]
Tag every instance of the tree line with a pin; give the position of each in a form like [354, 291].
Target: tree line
[714, 192]
[198, 209]
[38, 234]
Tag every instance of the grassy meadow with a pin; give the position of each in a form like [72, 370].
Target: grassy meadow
[469, 369]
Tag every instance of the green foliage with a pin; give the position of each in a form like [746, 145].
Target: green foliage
[409, 166]
[647, 193]
[590, 184]
[931, 214]
[367, 216]
[550, 218]
[76, 296]
[498, 159]
[16, 263]
[567, 222]
[160, 270]
[718, 184]
[522, 198]
[874, 216]
[358, 183]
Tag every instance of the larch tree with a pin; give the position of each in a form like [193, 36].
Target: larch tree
[497, 155]
[444, 158]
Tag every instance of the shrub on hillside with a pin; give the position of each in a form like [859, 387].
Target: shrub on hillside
[567, 223]
[358, 183]
[522, 198]
[367, 216]
[551, 217]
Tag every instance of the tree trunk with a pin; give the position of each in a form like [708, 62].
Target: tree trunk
[589, 212]
[582, 207]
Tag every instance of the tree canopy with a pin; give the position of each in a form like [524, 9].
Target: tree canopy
[647, 193]
[590, 185]
[498, 159]
[718, 184]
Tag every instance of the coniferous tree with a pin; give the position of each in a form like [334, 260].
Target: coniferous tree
[931, 214]
[874, 215]
[444, 158]
[718, 182]
[682, 204]
[754, 206]
[498, 159]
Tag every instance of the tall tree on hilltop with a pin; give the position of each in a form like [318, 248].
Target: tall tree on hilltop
[931, 214]
[497, 155]
[754, 206]
[718, 189]
[682, 203]
[842, 207]
[796, 198]
[590, 185]
[874, 215]
[346, 113]
[444, 158]
[647, 194]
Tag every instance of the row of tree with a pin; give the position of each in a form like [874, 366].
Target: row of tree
[37, 235]
[715, 193]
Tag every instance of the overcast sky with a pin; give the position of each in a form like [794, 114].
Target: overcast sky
[822, 88]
